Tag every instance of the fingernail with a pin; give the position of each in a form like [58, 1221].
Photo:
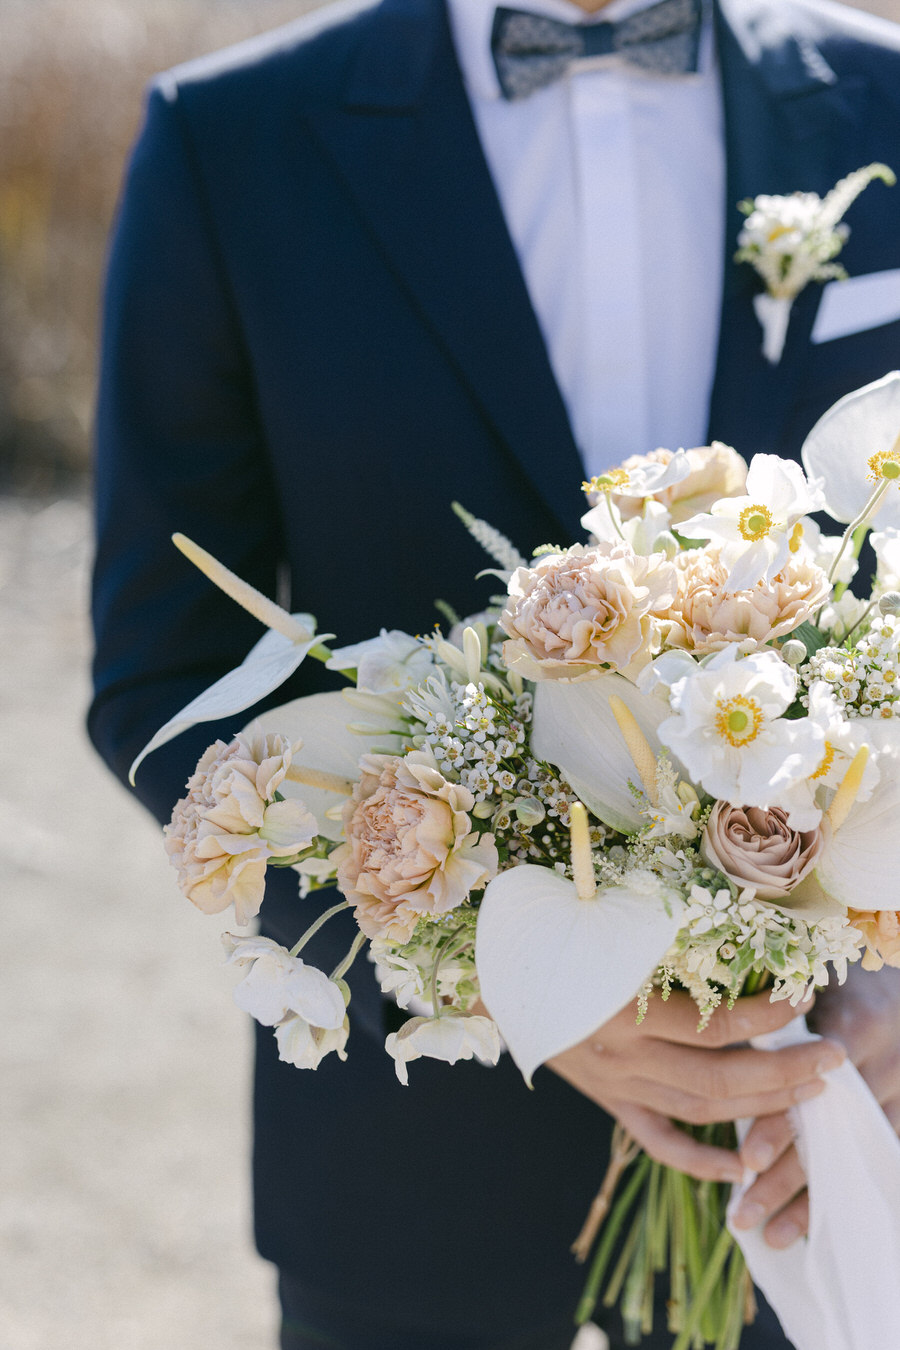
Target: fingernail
[782, 1233]
[808, 1090]
[830, 1059]
[748, 1214]
[759, 1157]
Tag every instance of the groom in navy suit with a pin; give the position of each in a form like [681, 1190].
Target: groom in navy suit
[355, 278]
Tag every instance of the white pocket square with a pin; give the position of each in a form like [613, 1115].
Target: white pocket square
[859, 303]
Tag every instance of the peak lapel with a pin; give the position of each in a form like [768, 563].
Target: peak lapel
[406, 147]
[789, 123]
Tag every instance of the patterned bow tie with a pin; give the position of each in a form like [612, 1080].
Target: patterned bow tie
[531, 51]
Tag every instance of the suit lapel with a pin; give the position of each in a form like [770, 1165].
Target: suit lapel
[789, 126]
[406, 146]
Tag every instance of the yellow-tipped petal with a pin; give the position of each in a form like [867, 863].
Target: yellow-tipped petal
[582, 859]
[318, 778]
[638, 747]
[247, 596]
[848, 791]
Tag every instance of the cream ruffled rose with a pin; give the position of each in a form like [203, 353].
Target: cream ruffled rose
[881, 930]
[706, 617]
[757, 847]
[716, 471]
[588, 609]
[230, 824]
[410, 847]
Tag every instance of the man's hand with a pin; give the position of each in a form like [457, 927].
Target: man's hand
[664, 1070]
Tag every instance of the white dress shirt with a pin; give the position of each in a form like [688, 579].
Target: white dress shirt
[612, 184]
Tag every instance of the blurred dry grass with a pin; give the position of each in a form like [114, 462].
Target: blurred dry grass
[71, 78]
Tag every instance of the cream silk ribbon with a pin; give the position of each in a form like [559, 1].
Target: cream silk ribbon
[839, 1288]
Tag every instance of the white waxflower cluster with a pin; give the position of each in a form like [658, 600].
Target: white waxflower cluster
[865, 679]
[725, 936]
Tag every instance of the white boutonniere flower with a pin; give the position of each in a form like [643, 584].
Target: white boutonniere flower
[793, 240]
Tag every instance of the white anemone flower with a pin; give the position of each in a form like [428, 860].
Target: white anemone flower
[387, 664]
[886, 544]
[756, 532]
[278, 985]
[644, 479]
[305, 1046]
[853, 448]
[451, 1036]
[604, 521]
[729, 732]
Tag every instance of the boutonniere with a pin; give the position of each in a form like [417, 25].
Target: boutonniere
[793, 240]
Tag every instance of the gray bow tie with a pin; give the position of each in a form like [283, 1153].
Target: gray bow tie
[531, 51]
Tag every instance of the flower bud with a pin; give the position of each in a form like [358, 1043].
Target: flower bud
[529, 811]
[890, 603]
[481, 810]
[666, 543]
[793, 652]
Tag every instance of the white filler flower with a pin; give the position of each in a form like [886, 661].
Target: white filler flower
[757, 532]
[729, 732]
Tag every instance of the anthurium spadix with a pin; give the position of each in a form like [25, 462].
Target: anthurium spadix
[854, 448]
[554, 967]
[266, 666]
[575, 729]
[320, 721]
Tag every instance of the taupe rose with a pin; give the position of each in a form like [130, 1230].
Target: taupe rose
[410, 846]
[757, 847]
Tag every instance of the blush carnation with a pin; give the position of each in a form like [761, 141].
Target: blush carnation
[757, 848]
[410, 846]
[589, 609]
[706, 617]
[881, 930]
[231, 824]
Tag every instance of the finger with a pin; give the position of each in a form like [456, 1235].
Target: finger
[892, 1110]
[766, 1140]
[663, 1141]
[772, 1192]
[883, 1077]
[791, 1223]
[722, 1075]
[697, 1110]
[677, 1019]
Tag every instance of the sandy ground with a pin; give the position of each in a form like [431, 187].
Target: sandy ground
[124, 1205]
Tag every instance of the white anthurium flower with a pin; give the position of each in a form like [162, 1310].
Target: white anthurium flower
[657, 678]
[853, 448]
[553, 967]
[305, 1046]
[451, 1036]
[387, 664]
[574, 728]
[729, 732]
[886, 544]
[755, 532]
[278, 985]
[322, 723]
[266, 666]
[860, 864]
[604, 521]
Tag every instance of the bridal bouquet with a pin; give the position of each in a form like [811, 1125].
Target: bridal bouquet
[666, 757]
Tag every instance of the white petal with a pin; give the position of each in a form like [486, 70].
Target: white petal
[861, 864]
[316, 998]
[553, 968]
[320, 722]
[267, 665]
[574, 729]
[837, 449]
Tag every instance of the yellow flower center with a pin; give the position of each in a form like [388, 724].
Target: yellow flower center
[738, 719]
[826, 762]
[889, 676]
[755, 522]
[776, 232]
[796, 538]
[607, 482]
[886, 464]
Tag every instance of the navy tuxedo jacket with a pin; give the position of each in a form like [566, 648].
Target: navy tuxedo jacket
[316, 336]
